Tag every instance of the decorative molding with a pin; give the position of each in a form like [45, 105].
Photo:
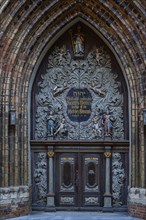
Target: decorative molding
[91, 200]
[50, 154]
[89, 189]
[66, 200]
[107, 154]
[91, 159]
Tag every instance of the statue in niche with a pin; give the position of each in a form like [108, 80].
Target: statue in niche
[62, 130]
[51, 124]
[108, 120]
[78, 43]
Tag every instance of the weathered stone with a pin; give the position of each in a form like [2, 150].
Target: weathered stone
[11, 203]
[137, 202]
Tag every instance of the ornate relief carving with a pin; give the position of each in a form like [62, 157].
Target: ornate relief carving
[67, 159]
[79, 98]
[50, 154]
[65, 189]
[91, 200]
[40, 177]
[107, 154]
[91, 159]
[93, 189]
[66, 200]
[118, 178]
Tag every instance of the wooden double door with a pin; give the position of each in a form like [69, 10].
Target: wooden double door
[79, 180]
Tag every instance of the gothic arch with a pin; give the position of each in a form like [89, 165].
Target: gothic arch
[131, 83]
[21, 52]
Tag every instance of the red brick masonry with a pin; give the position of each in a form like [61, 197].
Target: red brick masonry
[137, 203]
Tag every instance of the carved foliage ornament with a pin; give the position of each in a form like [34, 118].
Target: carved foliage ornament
[79, 98]
[92, 201]
[118, 178]
[40, 177]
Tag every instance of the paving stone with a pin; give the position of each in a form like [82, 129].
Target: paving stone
[76, 216]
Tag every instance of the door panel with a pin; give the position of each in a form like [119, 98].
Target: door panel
[65, 180]
[77, 179]
[90, 180]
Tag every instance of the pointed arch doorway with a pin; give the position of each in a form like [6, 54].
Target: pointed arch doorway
[79, 126]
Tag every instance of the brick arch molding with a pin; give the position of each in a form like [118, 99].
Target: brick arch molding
[29, 28]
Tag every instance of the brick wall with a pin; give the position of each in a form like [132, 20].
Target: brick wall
[14, 201]
[137, 203]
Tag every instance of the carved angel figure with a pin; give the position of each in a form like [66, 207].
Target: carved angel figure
[62, 129]
[60, 89]
[96, 126]
[97, 90]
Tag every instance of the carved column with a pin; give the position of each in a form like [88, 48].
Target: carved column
[50, 195]
[107, 194]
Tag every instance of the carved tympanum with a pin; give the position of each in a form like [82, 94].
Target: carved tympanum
[79, 98]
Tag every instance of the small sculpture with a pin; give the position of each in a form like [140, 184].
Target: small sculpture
[108, 120]
[78, 43]
[60, 89]
[62, 129]
[97, 55]
[97, 89]
[61, 55]
[96, 127]
[51, 124]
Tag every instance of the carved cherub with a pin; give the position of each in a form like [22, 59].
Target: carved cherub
[62, 129]
[96, 126]
[97, 90]
[60, 89]
[61, 54]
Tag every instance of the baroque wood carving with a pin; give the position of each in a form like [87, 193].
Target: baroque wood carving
[79, 98]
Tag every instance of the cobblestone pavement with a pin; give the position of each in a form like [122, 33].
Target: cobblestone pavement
[75, 216]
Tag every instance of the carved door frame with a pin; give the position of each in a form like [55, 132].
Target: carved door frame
[117, 152]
